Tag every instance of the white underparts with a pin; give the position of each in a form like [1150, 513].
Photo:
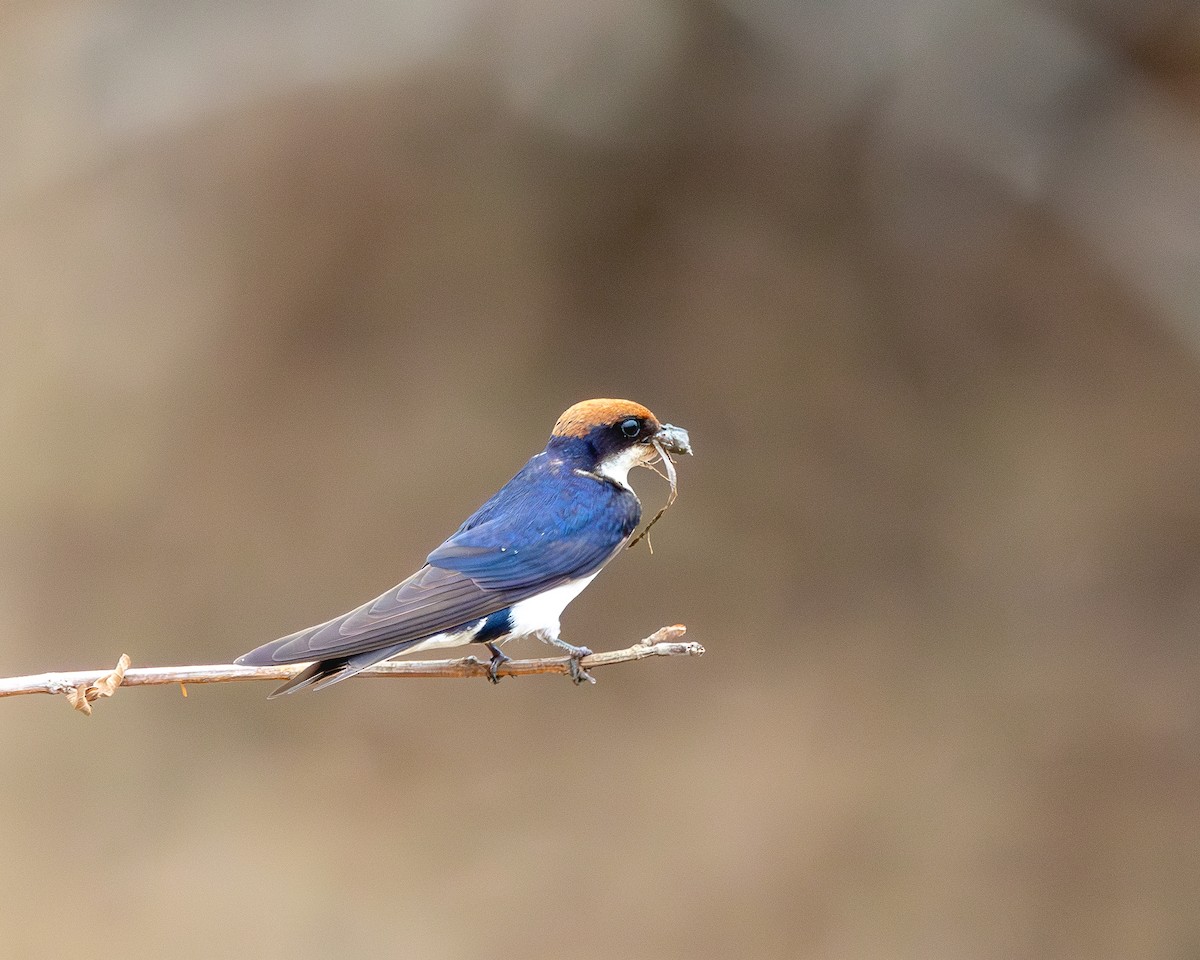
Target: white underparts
[456, 638]
[536, 617]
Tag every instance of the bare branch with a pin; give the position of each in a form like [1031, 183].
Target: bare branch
[83, 687]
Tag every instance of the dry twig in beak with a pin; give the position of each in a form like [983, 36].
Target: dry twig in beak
[669, 465]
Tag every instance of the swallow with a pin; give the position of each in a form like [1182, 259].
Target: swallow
[513, 566]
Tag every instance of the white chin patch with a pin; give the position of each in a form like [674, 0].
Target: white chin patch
[617, 467]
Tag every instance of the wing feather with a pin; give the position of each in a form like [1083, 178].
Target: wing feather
[430, 601]
[546, 526]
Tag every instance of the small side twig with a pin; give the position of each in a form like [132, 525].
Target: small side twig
[83, 687]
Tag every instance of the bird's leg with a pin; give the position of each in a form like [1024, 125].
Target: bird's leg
[578, 674]
[498, 657]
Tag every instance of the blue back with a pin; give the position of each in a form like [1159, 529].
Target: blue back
[550, 523]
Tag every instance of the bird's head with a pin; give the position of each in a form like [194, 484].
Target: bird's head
[613, 436]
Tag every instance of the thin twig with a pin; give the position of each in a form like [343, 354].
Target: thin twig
[665, 459]
[85, 686]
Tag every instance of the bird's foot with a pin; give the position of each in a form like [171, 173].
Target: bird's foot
[499, 657]
[578, 674]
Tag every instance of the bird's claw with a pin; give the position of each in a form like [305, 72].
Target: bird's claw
[499, 657]
[578, 674]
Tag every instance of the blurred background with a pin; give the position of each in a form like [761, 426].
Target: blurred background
[288, 289]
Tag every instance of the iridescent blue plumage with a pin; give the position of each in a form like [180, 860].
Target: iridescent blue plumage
[511, 567]
[554, 521]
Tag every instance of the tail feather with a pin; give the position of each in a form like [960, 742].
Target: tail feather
[325, 673]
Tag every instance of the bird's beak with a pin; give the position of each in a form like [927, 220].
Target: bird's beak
[674, 439]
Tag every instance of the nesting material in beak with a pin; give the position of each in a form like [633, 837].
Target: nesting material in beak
[668, 440]
[673, 440]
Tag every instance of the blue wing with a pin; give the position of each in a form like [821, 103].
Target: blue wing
[546, 526]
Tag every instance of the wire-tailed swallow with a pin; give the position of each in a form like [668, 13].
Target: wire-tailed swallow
[514, 565]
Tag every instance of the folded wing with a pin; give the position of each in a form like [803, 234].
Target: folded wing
[541, 530]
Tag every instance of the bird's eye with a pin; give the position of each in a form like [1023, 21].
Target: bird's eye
[631, 428]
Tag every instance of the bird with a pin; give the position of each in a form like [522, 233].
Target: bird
[512, 567]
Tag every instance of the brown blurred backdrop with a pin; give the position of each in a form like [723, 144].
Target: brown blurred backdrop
[288, 289]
